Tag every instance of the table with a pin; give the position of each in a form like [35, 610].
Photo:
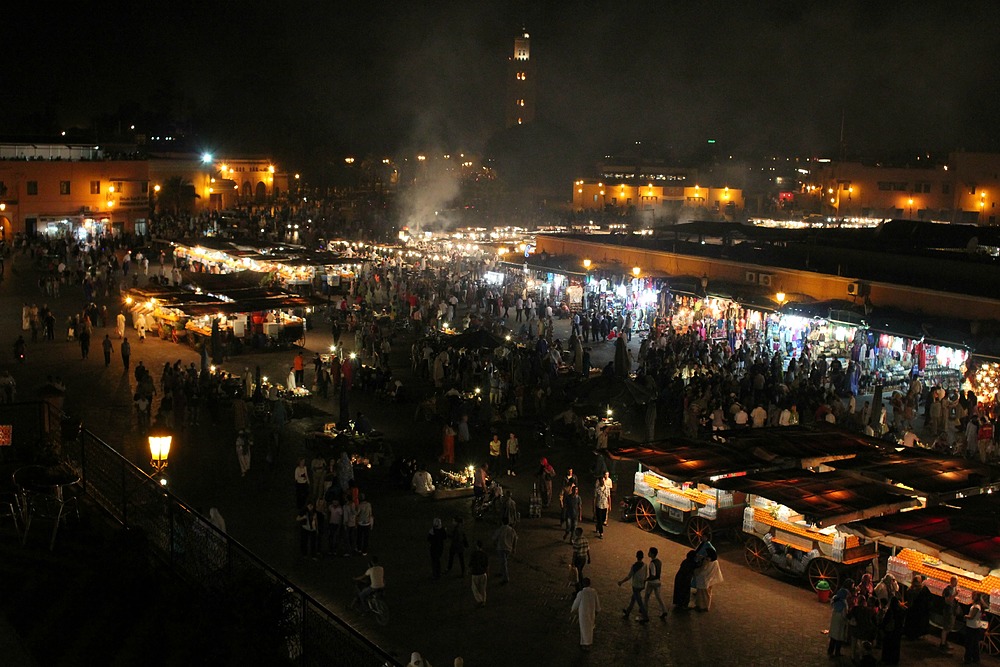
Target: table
[43, 490]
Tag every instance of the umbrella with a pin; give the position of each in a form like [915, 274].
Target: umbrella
[611, 390]
[474, 339]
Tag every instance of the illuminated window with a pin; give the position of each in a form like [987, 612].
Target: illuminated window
[520, 103]
[64, 187]
[95, 187]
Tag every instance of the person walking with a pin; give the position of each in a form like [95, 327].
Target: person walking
[513, 449]
[653, 581]
[120, 326]
[581, 555]
[637, 577]
[573, 508]
[708, 575]
[458, 543]
[435, 539]
[301, 476]
[949, 612]
[975, 627]
[126, 351]
[479, 565]
[366, 520]
[586, 604]
[546, 473]
[298, 366]
[108, 349]
[505, 541]
[495, 447]
[602, 504]
[308, 530]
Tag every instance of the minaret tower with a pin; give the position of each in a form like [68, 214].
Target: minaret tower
[520, 102]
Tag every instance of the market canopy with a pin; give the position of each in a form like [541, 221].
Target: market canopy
[216, 282]
[693, 460]
[963, 533]
[745, 452]
[824, 499]
[474, 339]
[248, 305]
[810, 446]
[928, 473]
[610, 390]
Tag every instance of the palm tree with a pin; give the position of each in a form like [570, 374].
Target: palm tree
[177, 195]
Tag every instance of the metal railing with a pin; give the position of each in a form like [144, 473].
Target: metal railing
[191, 546]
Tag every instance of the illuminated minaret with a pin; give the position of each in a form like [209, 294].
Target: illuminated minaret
[520, 102]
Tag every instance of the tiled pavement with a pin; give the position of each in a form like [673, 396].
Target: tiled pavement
[757, 619]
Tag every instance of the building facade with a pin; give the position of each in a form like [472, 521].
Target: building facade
[964, 189]
[55, 190]
[655, 198]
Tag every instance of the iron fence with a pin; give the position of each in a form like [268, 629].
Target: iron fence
[192, 547]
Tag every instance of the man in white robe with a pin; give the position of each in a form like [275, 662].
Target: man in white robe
[585, 606]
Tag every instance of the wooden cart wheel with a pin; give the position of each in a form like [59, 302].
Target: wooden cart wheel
[821, 569]
[698, 529]
[645, 515]
[990, 645]
[757, 555]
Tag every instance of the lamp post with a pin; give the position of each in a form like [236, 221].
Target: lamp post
[910, 202]
[704, 284]
[159, 451]
[636, 271]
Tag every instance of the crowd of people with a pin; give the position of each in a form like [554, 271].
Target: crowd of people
[868, 617]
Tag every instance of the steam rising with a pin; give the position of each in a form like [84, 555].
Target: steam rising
[433, 188]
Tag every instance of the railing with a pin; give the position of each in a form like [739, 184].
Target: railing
[192, 547]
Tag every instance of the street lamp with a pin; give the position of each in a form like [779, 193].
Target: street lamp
[910, 202]
[780, 297]
[636, 271]
[586, 264]
[704, 284]
[159, 450]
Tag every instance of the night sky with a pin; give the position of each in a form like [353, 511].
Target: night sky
[384, 77]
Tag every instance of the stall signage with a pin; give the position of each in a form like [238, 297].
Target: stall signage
[6, 435]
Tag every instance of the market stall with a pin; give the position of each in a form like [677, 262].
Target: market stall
[676, 484]
[791, 519]
[958, 539]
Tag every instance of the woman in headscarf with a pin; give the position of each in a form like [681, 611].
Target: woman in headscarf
[546, 473]
[838, 623]
[682, 580]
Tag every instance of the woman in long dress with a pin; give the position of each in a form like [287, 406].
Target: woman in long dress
[708, 575]
[586, 604]
[682, 580]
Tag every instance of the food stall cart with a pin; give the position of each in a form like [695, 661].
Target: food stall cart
[958, 539]
[791, 521]
[668, 493]
[677, 489]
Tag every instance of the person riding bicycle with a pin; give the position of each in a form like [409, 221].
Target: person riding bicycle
[369, 583]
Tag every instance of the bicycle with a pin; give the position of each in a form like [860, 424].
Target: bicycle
[374, 602]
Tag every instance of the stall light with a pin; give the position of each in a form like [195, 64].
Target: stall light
[211, 368]
[508, 337]
[354, 355]
[333, 348]
[609, 412]
[478, 391]
[264, 380]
